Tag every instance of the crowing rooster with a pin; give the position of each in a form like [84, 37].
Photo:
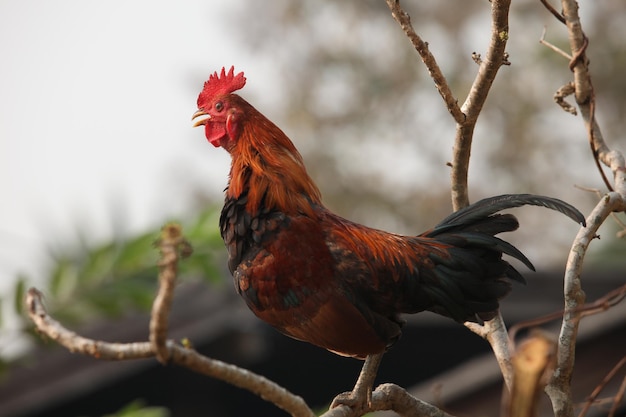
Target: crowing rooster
[320, 278]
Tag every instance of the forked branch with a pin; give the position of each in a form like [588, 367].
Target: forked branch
[173, 247]
[466, 117]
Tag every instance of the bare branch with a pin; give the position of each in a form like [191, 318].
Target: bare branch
[559, 388]
[489, 66]
[466, 117]
[585, 99]
[76, 343]
[392, 397]
[556, 49]
[429, 60]
[609, 300]
[594, 395]
[494, 331]
[552, 10]
[172, 246]
[617, 400]
[179, 355]
[621, 233]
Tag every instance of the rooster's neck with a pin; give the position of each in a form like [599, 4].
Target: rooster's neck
[269, 172]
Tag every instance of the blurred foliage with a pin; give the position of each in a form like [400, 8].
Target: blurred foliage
[120, 277]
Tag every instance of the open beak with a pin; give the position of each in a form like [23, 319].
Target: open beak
[200, 118]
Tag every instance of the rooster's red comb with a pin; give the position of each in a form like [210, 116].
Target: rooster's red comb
[218, 85]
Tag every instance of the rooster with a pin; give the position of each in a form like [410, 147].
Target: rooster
[320, 278]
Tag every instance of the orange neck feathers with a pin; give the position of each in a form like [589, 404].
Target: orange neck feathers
[267, 165]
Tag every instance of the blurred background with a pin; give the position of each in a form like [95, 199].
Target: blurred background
[97, 150]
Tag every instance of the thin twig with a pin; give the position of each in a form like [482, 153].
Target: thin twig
[429, 60]
[555, 48]
[579, 59]
[607, 378]
[621, 233]
[617, 400]
[609, 300]
[552, 10]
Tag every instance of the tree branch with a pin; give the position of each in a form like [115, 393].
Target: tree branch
[487, 71]
[559, 388]
[585, 98]
[602, 304]
[177, 354]
[172, 246]
[594, 395]
[392, 397]
[466, 117]
[76, 343]
[494, 330]
[429, 60]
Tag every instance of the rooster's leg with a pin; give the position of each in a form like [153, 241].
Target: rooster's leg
[361, 395]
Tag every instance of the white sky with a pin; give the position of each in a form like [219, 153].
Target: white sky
[96, 101]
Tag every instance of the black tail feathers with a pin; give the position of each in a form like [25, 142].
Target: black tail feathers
[467, 283]
[489, 206]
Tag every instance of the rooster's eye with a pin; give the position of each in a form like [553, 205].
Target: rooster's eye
[219, 106]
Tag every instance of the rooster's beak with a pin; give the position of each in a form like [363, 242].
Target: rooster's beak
[200, 118]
